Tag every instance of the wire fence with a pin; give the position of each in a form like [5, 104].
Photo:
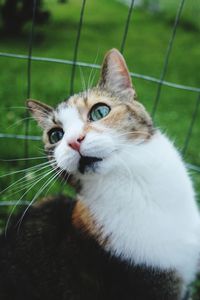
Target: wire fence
[74, 63]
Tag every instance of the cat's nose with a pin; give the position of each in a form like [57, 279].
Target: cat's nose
[76, 144]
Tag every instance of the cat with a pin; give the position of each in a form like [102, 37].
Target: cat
[133, 231]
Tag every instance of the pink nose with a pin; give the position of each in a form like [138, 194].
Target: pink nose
[76, 144]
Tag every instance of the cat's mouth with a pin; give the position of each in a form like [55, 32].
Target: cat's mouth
[88, 163]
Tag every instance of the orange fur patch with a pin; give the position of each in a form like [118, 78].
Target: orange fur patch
[83, 220]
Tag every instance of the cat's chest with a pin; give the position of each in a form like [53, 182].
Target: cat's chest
[132, 221]
[112, 277]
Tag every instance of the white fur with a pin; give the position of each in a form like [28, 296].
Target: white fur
[141, 195]
[66, 157]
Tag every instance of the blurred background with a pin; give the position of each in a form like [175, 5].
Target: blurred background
[143, 29]
[153, 47]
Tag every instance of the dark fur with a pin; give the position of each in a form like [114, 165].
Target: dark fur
[50, 259]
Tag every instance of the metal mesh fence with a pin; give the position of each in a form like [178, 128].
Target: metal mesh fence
[74, 63]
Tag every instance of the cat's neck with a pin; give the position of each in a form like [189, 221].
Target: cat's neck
[143, 176]
[137, 205]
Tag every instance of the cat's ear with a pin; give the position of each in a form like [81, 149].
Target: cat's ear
[115, 75]
[41, 112]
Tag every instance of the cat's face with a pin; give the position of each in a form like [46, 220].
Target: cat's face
[87, 133]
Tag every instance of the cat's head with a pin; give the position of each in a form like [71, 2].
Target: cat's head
[87, 133]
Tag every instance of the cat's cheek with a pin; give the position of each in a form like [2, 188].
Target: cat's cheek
[66, 158]
[71, 165]
[98, 145]
[108, 164]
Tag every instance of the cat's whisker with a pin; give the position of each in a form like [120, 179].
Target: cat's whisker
[125, 167]
[89, 84]
[30, 181]
[129, 145]
[54, 176]
[14, 107]
[19, 183]
[24, 108]
[41, 150]
[64, 180]
[20, 121]
[93, 78]
[24, 170]
[45, 112]
[37, 195]
[23, 178]
[25, 186]
[82, 79]
[58, 173]
[110, 131]
[27, 158]
[134, 133]
[10, 215]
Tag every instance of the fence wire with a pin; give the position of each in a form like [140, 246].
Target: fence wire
[96, 66]
[126, 27]
[77, 46]
[167, 56]
[191, 126]
[74, 62]
[28, 94]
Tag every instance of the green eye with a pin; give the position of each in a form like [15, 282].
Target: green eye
[55, 135]
[99, 111]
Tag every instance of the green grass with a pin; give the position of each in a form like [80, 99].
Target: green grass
[190, 15]
[102, 29]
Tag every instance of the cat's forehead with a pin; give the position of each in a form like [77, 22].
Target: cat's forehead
[80, 104]
[85, 100]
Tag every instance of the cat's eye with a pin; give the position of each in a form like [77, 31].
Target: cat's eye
[55, 135]
[99, 111]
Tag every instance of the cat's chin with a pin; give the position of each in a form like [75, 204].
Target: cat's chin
[89, 164]
[94, 165]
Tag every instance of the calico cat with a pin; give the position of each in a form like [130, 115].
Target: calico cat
[133, 231]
